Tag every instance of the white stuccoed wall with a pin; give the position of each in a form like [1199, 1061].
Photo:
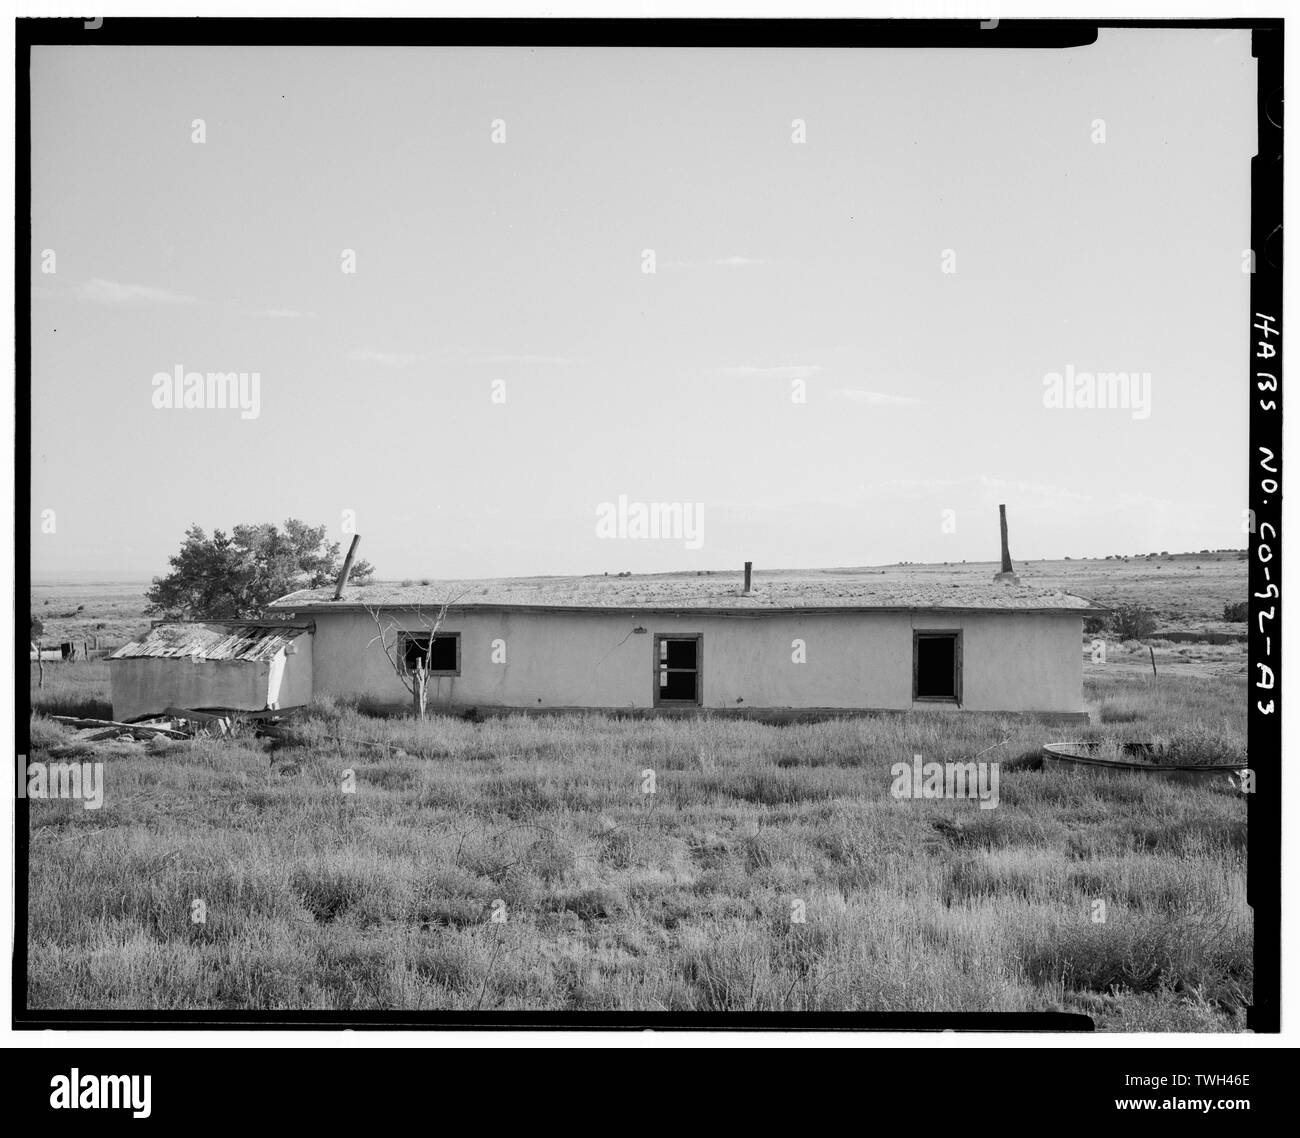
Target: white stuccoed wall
[1011, 661]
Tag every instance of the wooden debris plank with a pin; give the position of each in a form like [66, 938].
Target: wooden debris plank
[196, 716]
[229, 713]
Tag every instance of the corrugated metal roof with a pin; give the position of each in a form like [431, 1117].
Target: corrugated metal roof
[213, 640]
[715, 592]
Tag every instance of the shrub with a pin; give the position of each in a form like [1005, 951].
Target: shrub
[1236, 611]
[1132, 622]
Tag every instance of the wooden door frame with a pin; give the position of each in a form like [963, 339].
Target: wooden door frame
[698, 637]
[955, 634]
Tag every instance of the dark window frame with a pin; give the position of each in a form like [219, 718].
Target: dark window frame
[406, 637]
[953, 634]
[698, 670]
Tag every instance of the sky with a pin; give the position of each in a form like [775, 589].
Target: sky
[867, 266]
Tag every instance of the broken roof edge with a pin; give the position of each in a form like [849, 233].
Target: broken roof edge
[246, 641]
[275, 620]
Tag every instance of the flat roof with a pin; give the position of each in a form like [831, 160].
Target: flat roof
[715, 592]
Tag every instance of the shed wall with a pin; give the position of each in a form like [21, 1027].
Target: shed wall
[146, 685]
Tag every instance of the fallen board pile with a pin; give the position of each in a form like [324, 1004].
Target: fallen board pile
[174, 723]
[110, 729]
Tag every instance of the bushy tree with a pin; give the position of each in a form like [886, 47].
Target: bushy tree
[235, 576]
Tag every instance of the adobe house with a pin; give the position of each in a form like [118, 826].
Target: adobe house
[779, 644]
[212, 665]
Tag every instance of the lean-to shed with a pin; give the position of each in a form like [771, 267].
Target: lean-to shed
[217, 665]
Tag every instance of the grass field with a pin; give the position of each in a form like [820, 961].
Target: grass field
[520, 863]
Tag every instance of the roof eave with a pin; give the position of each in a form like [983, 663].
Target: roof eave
[754, 610]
